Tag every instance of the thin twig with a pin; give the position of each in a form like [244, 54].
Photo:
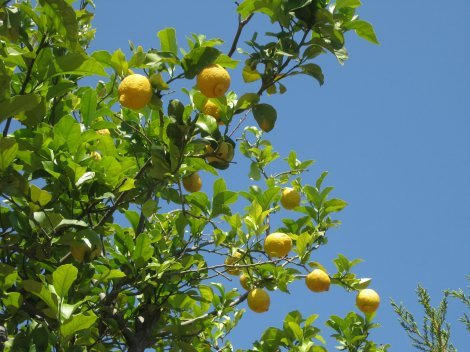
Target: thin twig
[27, 78]
[241, 24]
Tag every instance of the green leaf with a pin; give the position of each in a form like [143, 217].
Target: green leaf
[221, 201]
[39, 196]
[250, 75]
[76, 323]
[60, 88]
[199, 200]
[12, 300]
[364, 30]
[61, 17]
[119, 63]
[342, 263]
[143, 248]
[226, 61]
[5, 79]
[272, 338]
[78, 64]
[127, 185]
[266, 116]
[38, 289]
[107, 274]
[311, 319]
[67, 131]
[158, 82]
[18, 104]
[334, 205]
[70, 223]
[268, 197]
[247, 100]
[88, 104]
[296, 330]
[197, 59]
[63, 278]
[313, 51]
[8, 277]
[8, 150]
[168, 42]
[347, 3]
[314, 71]
[255, 173]
[87, 176]
[207, 123]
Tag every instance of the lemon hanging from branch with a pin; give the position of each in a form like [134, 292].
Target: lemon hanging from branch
[135, 91]
[213, 81]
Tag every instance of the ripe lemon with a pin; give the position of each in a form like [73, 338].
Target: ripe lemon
[192, 183]
[290, 198]
[258, 300]
[78, 251]
[213, 110]
[245, 281]
[277, 245]
[95, 155]
[223, 154]
[233, 260]
[318, 281]
[367, 300]
[135, 91]
[104, 132]
[213, 81]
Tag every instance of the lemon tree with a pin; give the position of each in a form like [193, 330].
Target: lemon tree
[118, 230]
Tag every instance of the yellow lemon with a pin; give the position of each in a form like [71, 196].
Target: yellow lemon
[318, 281]
[258, 300]
[367, 300]
[233, 260]
[104, 132]
[213, 110]
[135, 91]
[277, 245]
[223, 153]
[245, 281]
[213, 81]
[78, 251]
[192, 183]
[95, 155]
[83, 250]
[290, 198]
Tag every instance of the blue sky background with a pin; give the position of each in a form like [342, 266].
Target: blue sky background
[391, 127]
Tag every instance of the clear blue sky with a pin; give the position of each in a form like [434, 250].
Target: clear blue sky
[392, 128]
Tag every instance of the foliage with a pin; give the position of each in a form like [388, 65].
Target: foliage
[100, 247]
[434, 335]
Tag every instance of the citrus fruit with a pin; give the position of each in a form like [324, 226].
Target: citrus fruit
[104, 132]
[95, 155]
[258, 300]
[78, 251]
[213, 110]
[245, 281]
[277, 245]
[367, 300]
[290, 198]
[84, 250]
[233, 260]
[222, 155]
[213, 81]
[318, 281]
[192, 183]
[135, 91]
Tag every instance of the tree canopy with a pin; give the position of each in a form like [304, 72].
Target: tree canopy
[106, 240]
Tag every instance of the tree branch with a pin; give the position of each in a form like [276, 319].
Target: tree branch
[241, 25]
[27, 79]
